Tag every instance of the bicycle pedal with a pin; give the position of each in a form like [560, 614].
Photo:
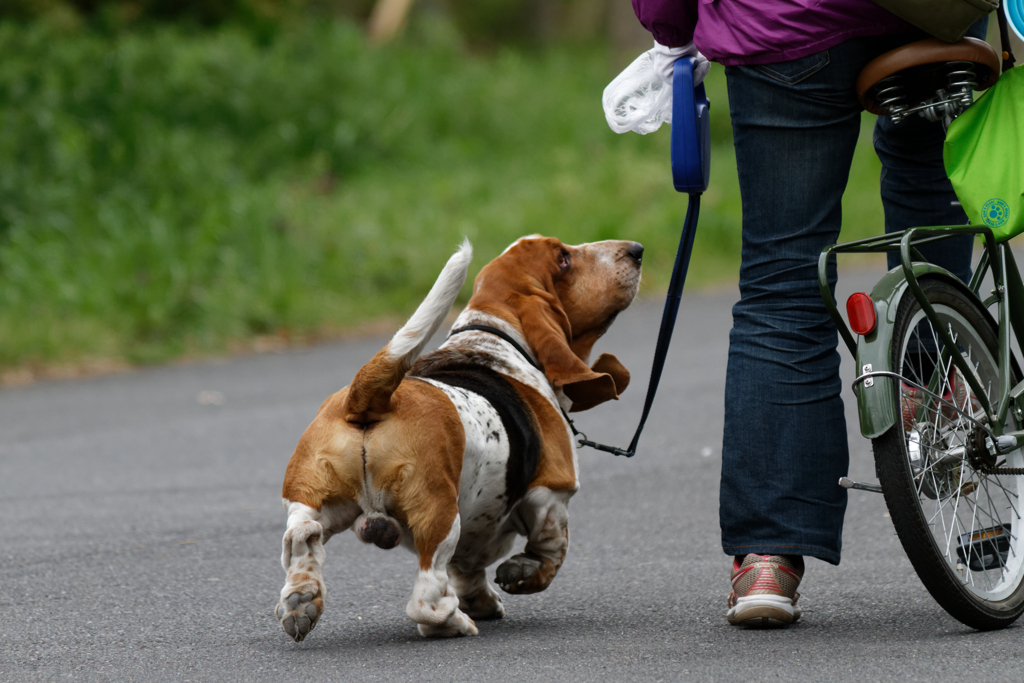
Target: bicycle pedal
[985, 548]
[848, 483]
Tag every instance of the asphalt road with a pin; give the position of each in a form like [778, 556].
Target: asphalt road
[140, 531]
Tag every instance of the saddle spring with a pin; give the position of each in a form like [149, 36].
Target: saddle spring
[892, 97]
[962, 81]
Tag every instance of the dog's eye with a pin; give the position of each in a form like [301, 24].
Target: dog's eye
[563, 260]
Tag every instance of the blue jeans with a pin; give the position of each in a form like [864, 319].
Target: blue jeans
[795, 126]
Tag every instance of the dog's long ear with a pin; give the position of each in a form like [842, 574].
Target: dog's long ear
[547, 331]
[609, 364]
[587, 393]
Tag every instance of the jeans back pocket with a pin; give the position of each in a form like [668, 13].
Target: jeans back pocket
[796, 70]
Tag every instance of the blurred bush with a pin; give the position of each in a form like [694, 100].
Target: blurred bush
[482, 22]
[496, 22]
[202, 12]
[262, 18]
[166, 190]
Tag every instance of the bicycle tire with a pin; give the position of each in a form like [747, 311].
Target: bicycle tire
[937, 498]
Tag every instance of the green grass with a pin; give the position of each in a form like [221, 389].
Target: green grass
[167, 193]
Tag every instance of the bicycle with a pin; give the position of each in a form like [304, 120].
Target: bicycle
[939, 390]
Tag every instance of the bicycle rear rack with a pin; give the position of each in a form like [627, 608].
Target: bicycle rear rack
[906, 244]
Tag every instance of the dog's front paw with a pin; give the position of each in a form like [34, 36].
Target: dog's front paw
[521, 574]
[457, 625]
[298, 613]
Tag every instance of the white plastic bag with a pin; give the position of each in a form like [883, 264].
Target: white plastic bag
[640, 98]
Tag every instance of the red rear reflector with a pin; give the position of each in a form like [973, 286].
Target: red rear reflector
[860, 309]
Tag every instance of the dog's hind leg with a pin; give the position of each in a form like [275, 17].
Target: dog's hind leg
[476, 597]
[302, 598]
[545, 514]
[434, 604]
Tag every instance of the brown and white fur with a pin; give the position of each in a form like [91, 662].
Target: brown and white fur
[455, 453]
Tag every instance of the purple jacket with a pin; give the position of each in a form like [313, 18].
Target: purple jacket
[763, 31]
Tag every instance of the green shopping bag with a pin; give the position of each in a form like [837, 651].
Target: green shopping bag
[984, 157]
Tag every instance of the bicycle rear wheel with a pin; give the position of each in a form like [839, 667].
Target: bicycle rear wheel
[957, 517]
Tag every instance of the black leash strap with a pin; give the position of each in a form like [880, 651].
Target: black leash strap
[668, 322]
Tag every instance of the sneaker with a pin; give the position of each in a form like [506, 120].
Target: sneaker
[956, 393]
[910, 404]
[962, 397]
[764, 591]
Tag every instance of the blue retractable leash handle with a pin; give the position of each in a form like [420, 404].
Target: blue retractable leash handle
[691, 133]
[691, 170]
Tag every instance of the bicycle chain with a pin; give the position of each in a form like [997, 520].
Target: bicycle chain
[1002, 470]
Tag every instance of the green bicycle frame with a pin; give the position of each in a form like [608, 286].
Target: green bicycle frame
[873, 352]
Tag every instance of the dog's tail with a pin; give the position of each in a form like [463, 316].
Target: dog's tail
[371, 390]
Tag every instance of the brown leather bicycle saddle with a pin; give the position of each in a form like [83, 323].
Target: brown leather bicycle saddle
[924, 61]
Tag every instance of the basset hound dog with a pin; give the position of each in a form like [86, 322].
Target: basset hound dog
[454, 453]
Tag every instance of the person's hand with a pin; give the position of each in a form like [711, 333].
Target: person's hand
[663, 61]
[640, 98]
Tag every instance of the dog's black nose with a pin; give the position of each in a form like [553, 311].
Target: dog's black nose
[637, 252]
